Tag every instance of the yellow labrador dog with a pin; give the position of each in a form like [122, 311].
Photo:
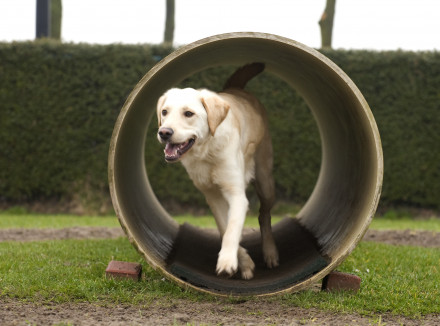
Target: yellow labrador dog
[222, 140]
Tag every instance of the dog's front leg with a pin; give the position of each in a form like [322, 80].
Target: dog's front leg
[228, 257]
[220, 207]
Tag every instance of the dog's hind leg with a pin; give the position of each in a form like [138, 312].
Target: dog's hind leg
[220, 208]
[265, 187]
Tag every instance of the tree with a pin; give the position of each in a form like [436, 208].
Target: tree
[43, 19]
[56, 14]
[169, 23]
[326, 24]
[48, 22]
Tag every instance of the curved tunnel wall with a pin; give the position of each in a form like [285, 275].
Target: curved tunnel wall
[334, 218]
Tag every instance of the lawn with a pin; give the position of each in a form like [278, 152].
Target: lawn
[25, 220]
[399, 280]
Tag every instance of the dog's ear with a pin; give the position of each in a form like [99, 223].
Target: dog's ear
[160, 104]
[216, 108]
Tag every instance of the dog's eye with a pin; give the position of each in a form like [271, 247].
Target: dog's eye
[164, 112]
[188, 114]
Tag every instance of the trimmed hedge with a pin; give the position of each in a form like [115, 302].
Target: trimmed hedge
[403, 91]
[59, 103]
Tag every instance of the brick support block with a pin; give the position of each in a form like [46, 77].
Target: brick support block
[123, 270]
[338, 281]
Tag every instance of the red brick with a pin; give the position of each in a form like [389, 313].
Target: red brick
[123, 270]
[338, 281]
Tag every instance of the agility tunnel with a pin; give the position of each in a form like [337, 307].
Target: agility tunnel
[330, 224]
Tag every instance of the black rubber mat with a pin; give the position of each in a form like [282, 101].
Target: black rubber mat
[195, 252]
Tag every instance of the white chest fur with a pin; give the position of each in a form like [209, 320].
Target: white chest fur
[200, 172]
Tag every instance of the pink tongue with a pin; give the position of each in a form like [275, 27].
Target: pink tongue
[171, 149]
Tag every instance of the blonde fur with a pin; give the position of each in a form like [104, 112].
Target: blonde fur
[232, 146]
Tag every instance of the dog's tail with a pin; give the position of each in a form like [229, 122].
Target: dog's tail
[242, 75]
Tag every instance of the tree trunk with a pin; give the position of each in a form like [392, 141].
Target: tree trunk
[43, 19]
[56, 14]
[169, 23]
[326, 24]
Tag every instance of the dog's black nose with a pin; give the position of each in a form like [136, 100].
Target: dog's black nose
[165, 133]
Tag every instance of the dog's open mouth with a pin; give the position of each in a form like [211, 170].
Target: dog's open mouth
[174, 151]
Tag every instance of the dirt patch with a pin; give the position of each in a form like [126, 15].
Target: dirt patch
[25, 235]
[182, 312]
[419, 238]
[428, 239]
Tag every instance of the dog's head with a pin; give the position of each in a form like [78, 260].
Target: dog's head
[187, 117]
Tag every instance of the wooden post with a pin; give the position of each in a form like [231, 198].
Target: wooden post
[56, 14]
[169, 23]
[326, 24]
[43, 18]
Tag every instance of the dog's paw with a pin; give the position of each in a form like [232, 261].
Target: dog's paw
[246, 265]
[227, 263]
[271, 256]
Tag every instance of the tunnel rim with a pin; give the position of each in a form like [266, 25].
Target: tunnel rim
[192, 47]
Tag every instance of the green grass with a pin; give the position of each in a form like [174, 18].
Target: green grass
[399, 280]
[14, 220]
[39, 221]
[74, 270]
[432, 224]
[63, 221]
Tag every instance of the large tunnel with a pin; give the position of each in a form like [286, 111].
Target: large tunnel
[330, 224]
